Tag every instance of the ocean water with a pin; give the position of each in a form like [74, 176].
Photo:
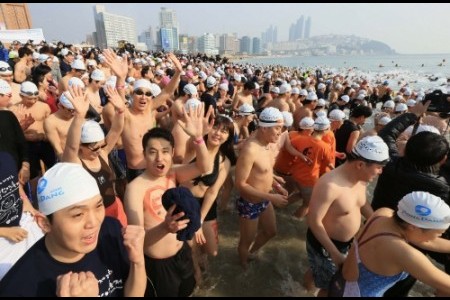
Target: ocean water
[427, 71]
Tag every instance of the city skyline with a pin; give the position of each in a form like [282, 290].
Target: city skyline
[403, 27]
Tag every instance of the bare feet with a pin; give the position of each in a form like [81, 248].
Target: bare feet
[308, 281]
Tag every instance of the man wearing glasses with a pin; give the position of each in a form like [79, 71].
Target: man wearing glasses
[6, 73]
[140, 117]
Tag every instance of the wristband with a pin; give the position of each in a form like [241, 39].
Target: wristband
[120, 87]
[199, 141]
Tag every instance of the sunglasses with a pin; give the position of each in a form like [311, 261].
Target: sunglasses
[3, 69]
[7, 95]
[29, 94]
[80, 71]
[141, 92]
[68, 109]
[98, 147]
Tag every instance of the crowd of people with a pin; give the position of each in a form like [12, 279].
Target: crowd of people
[116, 165]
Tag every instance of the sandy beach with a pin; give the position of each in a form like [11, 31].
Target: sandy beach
[278, 270]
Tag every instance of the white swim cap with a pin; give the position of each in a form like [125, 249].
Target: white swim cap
[190, 89]
[287, 118]
[336, 115]
[193, 102]
[372, 148]
[270, 117]
[91, 132]
[65, 101]
[246, 110]
[321, 123]
[306, 123]
[424, 210]
[63, 185]
[384, 120]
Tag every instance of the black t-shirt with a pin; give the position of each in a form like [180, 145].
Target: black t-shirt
[35, 273]
[342, 135]
[10, 202]
[208, 100]
[64, 67]
[12, 139]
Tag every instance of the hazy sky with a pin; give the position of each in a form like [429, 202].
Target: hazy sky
[407, 28]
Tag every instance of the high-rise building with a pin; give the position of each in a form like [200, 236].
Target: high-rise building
[14, 16]
[257, 46]
[146, 37]
[169, 39]
[270, 36]
[169, 29]
[184, 43]
[207, 44]
[296, 30]
[227, 44]
[308, 28]
[112, 28]
[246, 45]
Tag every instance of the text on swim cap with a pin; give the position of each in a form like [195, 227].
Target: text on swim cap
[54, 193]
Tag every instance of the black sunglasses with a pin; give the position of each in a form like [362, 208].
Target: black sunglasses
[98, 147]
[3, 69]
[30, 94]
[141, 92]
[81, 71]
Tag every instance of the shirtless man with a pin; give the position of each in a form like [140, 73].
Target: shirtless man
[78, 68]
[309, 104]
[96, 81]
[255, 182]
[178, 133]
[245, 96]
[38, 146]
[168, 261]
[22, 69]
[56, 126]
[338, 200]
[140, 117]
[282, 101]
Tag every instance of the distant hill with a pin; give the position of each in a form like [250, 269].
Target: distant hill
[353, 44]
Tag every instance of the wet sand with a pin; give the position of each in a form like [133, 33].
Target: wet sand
[279, 268]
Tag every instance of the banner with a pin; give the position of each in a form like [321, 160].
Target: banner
[22, 35]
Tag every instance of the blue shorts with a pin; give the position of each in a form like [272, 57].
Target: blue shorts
[250, 210]
[322, 266]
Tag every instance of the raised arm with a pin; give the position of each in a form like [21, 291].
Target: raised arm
[169, 90]
[194, 127]
[81, 105]
[118, 121]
